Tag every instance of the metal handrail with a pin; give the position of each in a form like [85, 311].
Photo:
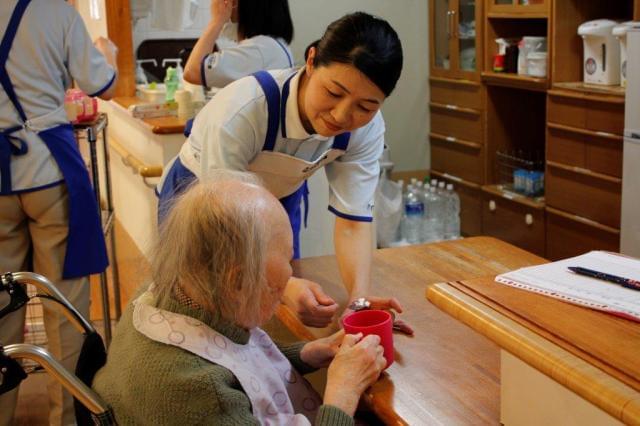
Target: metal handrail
[46, 286]
[71, 383]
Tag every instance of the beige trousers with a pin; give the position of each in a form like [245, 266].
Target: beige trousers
[39, 221]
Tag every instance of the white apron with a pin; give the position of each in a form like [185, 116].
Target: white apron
[279, 395]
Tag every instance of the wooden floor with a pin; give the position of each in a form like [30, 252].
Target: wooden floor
[133, 270]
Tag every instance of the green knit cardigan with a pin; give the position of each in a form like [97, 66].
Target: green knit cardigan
[147, 382]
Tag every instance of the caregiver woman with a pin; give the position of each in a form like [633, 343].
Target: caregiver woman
[285, 125]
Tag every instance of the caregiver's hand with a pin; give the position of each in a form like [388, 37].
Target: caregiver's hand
[386, 304]
[309, 302]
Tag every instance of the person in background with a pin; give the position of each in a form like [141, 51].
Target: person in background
[263, 31]
[285, 125]
[189, 349]
[49, 220]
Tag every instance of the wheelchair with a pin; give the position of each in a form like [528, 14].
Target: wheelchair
[89, 407]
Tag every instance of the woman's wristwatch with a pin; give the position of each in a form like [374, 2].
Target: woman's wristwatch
[360, 304]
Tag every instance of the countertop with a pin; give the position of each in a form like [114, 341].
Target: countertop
[159, 125]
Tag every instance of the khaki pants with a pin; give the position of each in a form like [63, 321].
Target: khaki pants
[39, 221]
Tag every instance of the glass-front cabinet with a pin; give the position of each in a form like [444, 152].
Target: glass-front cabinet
[455, 38]
[518, 7]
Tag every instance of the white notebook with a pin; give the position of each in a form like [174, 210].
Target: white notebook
[555, 280]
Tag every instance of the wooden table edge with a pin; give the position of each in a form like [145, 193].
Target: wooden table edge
[609, 394]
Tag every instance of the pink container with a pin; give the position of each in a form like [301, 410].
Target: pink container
[79, 106]
[373, 322]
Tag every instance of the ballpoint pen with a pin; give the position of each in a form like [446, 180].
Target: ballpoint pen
[624, 282]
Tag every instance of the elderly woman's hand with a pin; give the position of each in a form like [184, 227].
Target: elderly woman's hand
[320, 352]
[356, 366]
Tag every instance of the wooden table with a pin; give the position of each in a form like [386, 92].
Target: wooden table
[446, 374]
[562, 363]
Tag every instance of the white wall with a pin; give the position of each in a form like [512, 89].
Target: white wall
[94, 16]
[406, 111]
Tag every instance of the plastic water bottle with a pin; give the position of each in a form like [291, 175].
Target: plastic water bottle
[413, 216]
[452, 216]
[433, 224]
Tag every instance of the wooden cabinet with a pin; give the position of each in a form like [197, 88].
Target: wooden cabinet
[571, 235]
[486, 126]
[518, 7]
[510, 219]
[457, 103]
[584, 169]
[458, 157]
[456, 50]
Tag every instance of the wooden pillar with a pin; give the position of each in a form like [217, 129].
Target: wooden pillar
[120, 32]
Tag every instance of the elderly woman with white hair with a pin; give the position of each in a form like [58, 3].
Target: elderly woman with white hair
[189, 350]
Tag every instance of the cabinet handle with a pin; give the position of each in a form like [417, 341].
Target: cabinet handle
[528, 219]
[448, 23]
[492, 205]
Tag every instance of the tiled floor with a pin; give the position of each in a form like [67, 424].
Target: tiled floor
[32, 407]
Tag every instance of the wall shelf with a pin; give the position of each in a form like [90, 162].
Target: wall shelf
[582, 87]
[515, 81]
[507, 15]
[500, 191]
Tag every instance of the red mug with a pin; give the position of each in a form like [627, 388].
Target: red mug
[373, 322]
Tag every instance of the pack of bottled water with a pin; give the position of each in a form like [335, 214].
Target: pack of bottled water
[431, 212]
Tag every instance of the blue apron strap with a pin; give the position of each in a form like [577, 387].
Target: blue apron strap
[272, 94]
[7, 149]
[283, 105]
[305, 198]
[5, 48]
[285, 52]
[187, 127]
[341, 141]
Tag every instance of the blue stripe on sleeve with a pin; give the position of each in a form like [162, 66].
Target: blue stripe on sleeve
[350, 217]
[106, 86]
[203, 77]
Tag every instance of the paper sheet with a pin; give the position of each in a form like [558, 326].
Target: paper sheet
[555, 280]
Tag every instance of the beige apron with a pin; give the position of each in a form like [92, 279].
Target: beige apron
[279, 395]
[283, 174]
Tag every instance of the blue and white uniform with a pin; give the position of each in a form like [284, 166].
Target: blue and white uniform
[254, 125]
[241, 59]
[48, 213]
[37, 145]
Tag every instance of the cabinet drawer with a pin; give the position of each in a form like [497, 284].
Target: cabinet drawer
[514, 222]
[460, 123]
[599, 114]
[462, 94]
[458, 158]
[470, 204]
[594, 197]
[569, 236]
[585, 149]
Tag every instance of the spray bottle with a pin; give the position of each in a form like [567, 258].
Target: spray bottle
[498, 59]
[171, 84]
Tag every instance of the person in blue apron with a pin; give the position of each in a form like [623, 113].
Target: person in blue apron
[49, 219]
[243, 36]
[285, 125]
